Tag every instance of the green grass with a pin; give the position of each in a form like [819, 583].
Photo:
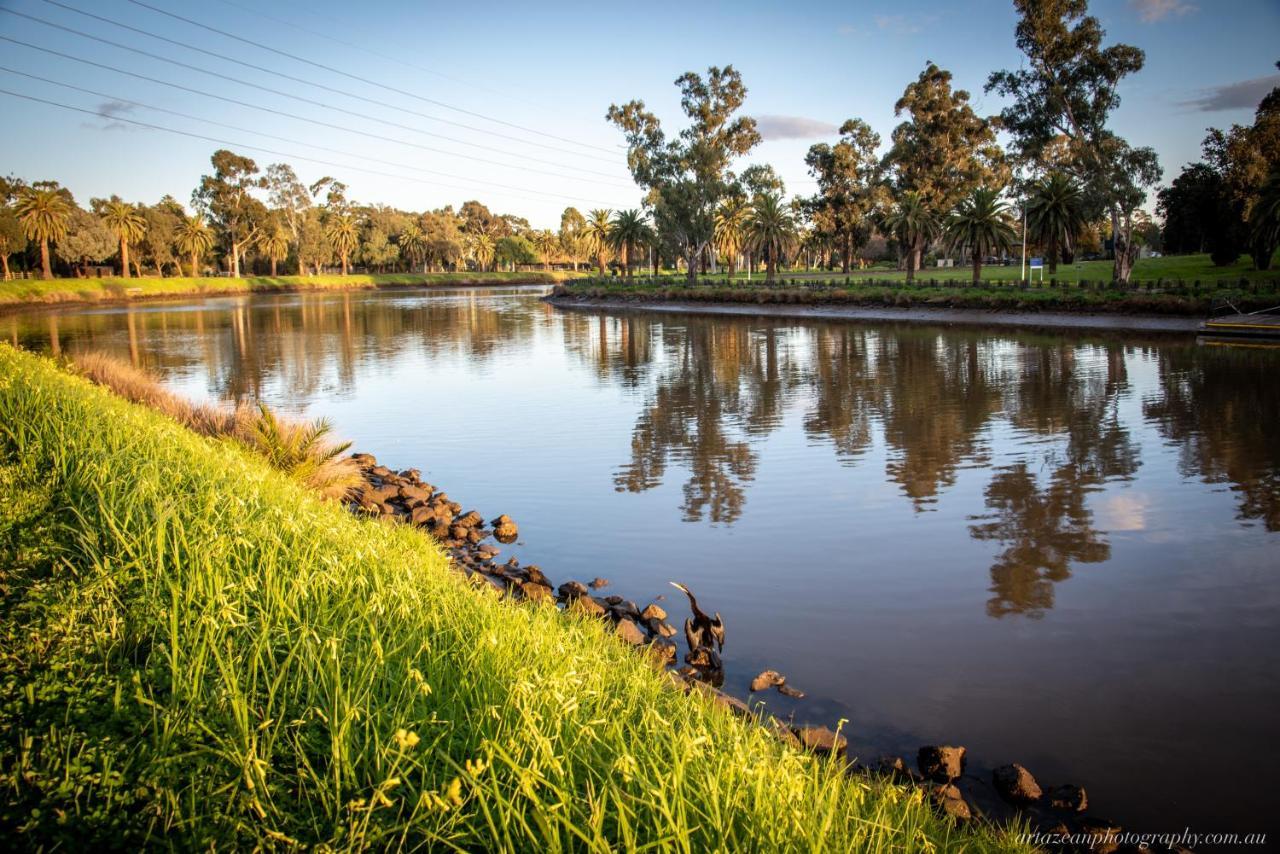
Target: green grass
[196, 653]
[21, 291]
[1186, 268]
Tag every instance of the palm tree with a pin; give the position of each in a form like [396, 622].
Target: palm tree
[413, 243]
[771, 229]
[731, 229]
[1264, 221]
[482, 250]
[595, 235]
[276, 245]
[628, 230]
[343, 233]
[44, 215]
[1055, 215]
[547, 243]
[914, 226]
[127, 222]
[195, 238]
[982, 226]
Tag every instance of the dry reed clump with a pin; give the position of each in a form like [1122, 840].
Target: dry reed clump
[303, 450]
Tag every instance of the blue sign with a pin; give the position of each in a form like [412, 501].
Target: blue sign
[1037, 262]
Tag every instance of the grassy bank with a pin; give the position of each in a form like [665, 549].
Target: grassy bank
[1139, 297]
[24, 291]
[199, 653]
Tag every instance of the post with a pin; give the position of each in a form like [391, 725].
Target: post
[1022, 268]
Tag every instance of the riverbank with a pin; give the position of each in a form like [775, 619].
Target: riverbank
[926, 314]
[199, 653]
[38, 292]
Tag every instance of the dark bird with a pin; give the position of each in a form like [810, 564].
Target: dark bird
[702, 630]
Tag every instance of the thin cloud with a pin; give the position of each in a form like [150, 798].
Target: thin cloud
[1157, 10]
[847, 30]
[1243, 94]
[109, 111]
[793, 127]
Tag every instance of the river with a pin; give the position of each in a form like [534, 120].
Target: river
[1056, 549]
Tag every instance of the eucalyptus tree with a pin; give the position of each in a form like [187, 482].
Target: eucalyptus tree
[849, 176]
[156, 246]
[731, 229]
[759, 179]
[981, 225]
[629, 229]
[88, 240]
[596, 235]
[44, 214]
[913, 224]
[194, 238]
[289, 198]
[571, 224]
[944, 150]
[687, 176]
[771, 229]
[1055, 215]
[1062, 98]
[342, 230]
[226, 198]
[11, 237]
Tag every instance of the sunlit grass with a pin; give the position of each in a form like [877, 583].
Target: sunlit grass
[96, 290]
[198, 653]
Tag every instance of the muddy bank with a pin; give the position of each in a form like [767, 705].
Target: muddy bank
[1011, 793]
[1129, 323]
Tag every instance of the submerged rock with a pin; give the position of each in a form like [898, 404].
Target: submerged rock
[504, 530]
[598, 582]
[940, 763]
[1068, 797]
[819, 739]
[767, 679]
[1015, 784]
[790, 691]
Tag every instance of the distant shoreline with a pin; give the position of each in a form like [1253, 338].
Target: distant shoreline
[24, 294]
[1114, 322]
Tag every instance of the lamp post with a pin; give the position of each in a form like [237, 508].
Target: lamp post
[1022, 269]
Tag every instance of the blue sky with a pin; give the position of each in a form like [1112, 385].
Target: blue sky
[520, 89]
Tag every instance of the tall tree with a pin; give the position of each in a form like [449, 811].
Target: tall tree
[944, 150]
[482, 250]
[547, 243]
[226, 198]
[88, 240]
[275, 243]
[288, 197]
[126, 222]
[913, 224]
[413, 244]
[848, 176]
[44, 214]
[595, 235]
[628, 230]
[687, 176]
[11, 237]
[1062, 99]
[572, 222]
[980, 225]
[760, 178]
[1055, 215]
[771, 229]
[342, 230]
[194, 238]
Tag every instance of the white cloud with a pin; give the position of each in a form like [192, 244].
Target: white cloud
[905, 24]
[793, 127]
[1157, 10]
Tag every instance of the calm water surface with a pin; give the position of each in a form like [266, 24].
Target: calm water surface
[1061, 550]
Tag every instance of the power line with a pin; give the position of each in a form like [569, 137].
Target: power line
[317, 122]
[292, 156]
[301, 98]
[124, 100]
[357, 77]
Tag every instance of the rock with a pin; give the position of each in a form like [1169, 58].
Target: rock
[475, 535]
[1103, 831]
[819, 739]
[627, 609]
[386, 492]
[1015, 784]
[586, 605]
[470, 519]
[790, 691]
[534, 573]
[364, 460]
[412, 475]
[665, 630]
[504, 530]
[663, 651]
[1068, 797]
[381, 472]
[598, 582]
[954, 807]
[491, 584]
[892, 766]
[766, 680]
[415, 494]
[422, 515]
[942, 764]
[459, 532]
[612, 600]
[535, 592]
[629, 632]
[571, 589]
[488, 552]
[653, 612]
